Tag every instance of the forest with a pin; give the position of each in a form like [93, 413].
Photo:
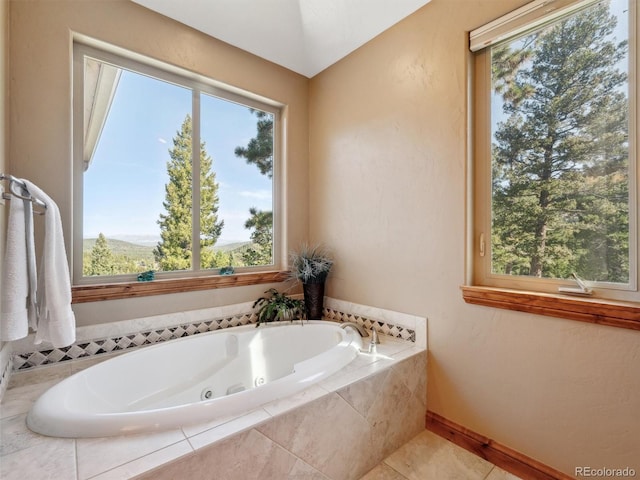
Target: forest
[560, 153]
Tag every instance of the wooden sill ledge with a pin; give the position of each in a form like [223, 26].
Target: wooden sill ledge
[592, 310]
[113, 291]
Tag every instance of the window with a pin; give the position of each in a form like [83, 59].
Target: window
[555, 159]
[150, 143]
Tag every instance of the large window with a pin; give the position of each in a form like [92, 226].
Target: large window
[173, 173]
[555, 161]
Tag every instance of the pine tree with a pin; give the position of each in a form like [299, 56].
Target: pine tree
[259, 151]
[559, 160]
[260, 252]
[101, 258]
[174, 251]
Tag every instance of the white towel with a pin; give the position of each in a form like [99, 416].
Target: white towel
[56, 321]
[15, 284]
[32, 274]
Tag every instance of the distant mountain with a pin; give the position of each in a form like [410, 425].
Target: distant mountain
[146, 240]
[120, 247]
[232, 247]
[137, 249]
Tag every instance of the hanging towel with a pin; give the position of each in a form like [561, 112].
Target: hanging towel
[32, 275]
[15, 284]
[56, 321]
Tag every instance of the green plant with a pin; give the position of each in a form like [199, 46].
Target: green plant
[278, 307]
[311, 264]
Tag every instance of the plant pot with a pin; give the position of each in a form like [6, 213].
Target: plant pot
[313, 300]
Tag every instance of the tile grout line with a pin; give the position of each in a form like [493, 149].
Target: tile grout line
[138, 458]
[391, 467]
[75, 453]
[291, 453]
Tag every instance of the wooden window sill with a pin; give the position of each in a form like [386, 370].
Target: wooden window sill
[592, 310]
[113, 291]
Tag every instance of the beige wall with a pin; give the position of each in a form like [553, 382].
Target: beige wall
[387, 192]
[40, 113]
[4, 95]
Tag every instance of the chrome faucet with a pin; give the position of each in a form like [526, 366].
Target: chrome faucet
[356, 327]
[373, 344]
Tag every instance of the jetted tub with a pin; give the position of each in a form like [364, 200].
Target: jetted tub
[193, 379]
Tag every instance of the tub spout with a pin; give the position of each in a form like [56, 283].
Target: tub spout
[356, 327]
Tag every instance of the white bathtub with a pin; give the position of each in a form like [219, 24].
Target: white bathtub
[193, 379]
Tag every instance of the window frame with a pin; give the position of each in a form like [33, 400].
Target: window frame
[482, 274]
[618, 306]
[122, 286]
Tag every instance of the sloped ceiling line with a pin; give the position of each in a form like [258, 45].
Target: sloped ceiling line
[305, 36]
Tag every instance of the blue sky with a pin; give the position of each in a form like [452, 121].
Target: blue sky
[124, 185]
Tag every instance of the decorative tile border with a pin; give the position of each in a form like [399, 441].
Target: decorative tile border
[26, 358]
[415, 326]
[102, 346]
[395, 331]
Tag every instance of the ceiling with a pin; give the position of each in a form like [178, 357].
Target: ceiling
[305, 36]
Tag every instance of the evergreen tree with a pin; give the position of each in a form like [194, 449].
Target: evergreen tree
[260, 252]
[259, 151]
[101, 258]
[560, 159]
[174, 251]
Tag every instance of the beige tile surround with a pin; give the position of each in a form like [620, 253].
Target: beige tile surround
[382, 399]
[341, 435]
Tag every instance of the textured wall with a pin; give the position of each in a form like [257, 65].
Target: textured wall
[4, 94]
[40, 113]
[4, 167]
[388, 131]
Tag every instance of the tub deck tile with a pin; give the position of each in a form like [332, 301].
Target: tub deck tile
[194, 429]
[388, 353]
[16, 436]
[406, 353]
[148, 462]
[51, 459]
[19, 400]
[278, 407]
[97, 455]
[237, 425]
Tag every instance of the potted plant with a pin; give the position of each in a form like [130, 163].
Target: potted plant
[277, 307]
[311, 265]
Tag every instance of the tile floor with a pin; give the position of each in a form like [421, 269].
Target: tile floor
[430, 457]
